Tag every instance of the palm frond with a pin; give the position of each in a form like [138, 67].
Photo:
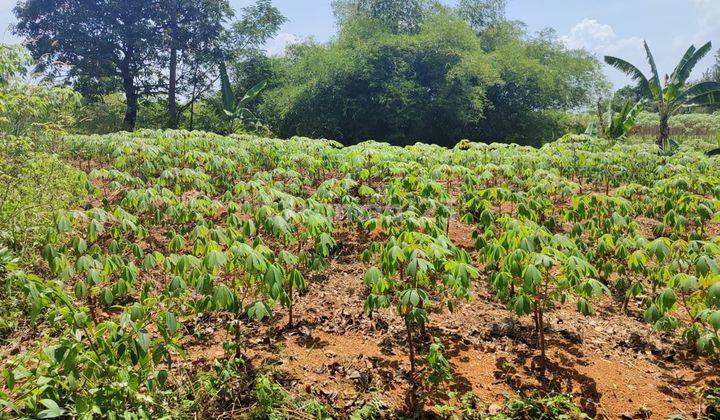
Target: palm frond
[228, 97]
[654, 83]
[700, 94]
[686, 66]
[686, 57]
[708, 99]
[254, 92]
[633, 72]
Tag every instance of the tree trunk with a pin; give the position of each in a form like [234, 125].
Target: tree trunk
[664, 137]
[131, 100]
[192, 101]
[192, 116]
[172, 100]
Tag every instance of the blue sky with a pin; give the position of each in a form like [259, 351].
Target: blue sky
[615, 27]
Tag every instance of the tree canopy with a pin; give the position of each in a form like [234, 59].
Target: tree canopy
[436, 78]
[130, 45]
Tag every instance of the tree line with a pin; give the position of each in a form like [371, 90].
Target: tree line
[397, 70]
[142, 48]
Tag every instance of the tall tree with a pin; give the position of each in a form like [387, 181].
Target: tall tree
[257, 23]
[399, 88]
[244, 53]
[540, 79]
[397, 16]
[481, 14]
[674, 95]
[96, 40]
[194, 32]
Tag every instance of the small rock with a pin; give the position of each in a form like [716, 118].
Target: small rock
[494, 409]
[354, 375]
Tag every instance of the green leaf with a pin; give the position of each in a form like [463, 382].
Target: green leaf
[413, 297]
[655, 86]
[224, 298]
[633, 72]
[706, 343]
[214, 260]
[297, 280]
[149, 262]
[143, 341]
[63, 225]
[259, 311]
[713, 295]
[687, 283]
[522, 305]
[652, 314]
[372, 276]
[531, 279]
[229, 101]
[108, 296]
[584, 307]
[667, 299]
[714, 320]
[162, 377]
[52, 410]
[171, 322]
[659, 248]
[9, 379]
[706, 265]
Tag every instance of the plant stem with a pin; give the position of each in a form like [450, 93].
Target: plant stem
[411, 348]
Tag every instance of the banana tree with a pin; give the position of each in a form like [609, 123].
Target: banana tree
[618, 126]
[234, 109]
[676, 94]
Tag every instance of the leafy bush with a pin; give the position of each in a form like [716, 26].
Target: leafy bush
[549, 407]
[33, 187]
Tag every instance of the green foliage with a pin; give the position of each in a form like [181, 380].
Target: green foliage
[552, 406]
[537, 76]
[394, 16]
[438, 83]
[189, 228]
[36, 110]
[438, 364]
[621, 123]
[482, 14]
[34, 187]
[34, 184]
[236, 109]
[675, 95]
[712, 401]
[131, 42]
[14, 60]
[399, 88]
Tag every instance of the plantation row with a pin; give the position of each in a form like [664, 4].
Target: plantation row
[181, 229]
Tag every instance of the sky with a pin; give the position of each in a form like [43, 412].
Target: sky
[607, 27]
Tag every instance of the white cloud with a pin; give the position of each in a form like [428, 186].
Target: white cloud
[601, 39]
[589, 32]
[278, 45]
